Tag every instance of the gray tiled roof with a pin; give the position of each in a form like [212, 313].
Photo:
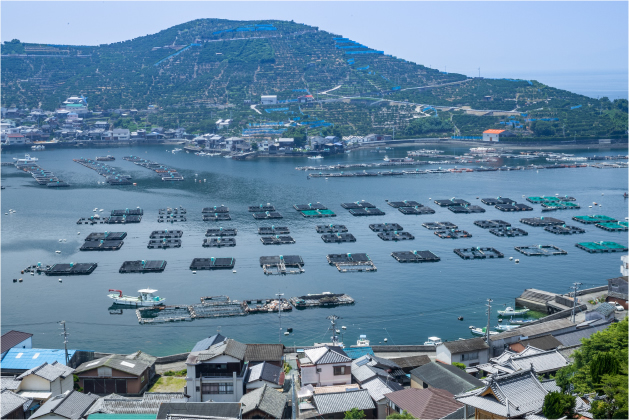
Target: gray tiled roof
[265, 399]
[266, 372]
[573, 338]
[148, 404]
[534, 330]
[50, 372]
[206, 343]
[547, 361]
[116, 361]
[228, 347]
[334, 356]
[10, 401]
[214, 409]
[545, 342]
[377, 387]
[605, 309]
[448, 377]
[411, 361]
[365, 373]
[264, 352]
[462, 346]
[12, 338]
[71, 405]
[9, 382]
[429, 403]
[340, 402]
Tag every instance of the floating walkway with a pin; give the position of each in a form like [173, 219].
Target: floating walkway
[318, 213]
[542, 221]
[273, 230]
[111, 236]
[603, 246]
[550, 199]
[128, 212]
[277, 240]
[219, 242]
[508, 231]
[164, 243]
[415, 256]
[282, 264]
[212, 263]
[322, 299]
[540, 250]
[221, 232]
[351, 262]
[590, 220]
[165, 172]
[267, 215]
[385, 227]
[253, 306]
[492, 224]
[124, 219]
[216, 217]
[64, 269]
[613, 226]
[439, 225]
[395, 236]
[452, 233]
[564, 230]
[171, 218]
[161, 234]
[41, 176]
[478, 253]
[338, 237]
[143, 266]
[567, 205]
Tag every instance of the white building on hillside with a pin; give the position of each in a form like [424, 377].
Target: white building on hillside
[325, 366]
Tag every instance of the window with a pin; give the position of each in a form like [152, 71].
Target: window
[222, 388]
[339, 370]
[318, 370]
[104, 372]
[469, 356]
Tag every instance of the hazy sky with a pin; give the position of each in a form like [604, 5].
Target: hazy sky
[506, 39]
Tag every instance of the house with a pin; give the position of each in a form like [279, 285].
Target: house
[378, 388]
[427, 403]
[101, 124]
[198, 410]
[604, 311]
[206, 343]
[118, 405]
[317, 142]
[121, 134]
[375, 138]
[545, 342]
[44, 381]
[265, 374]
[499, 342]
[264, 403]
[470, 352]
[69, 405]
[333, 405]
[218, 373]
[13, 406]
[223, 124]
[409, 363]
[493, 135]
[268, 99]
[120, 374]
[379, 363]
[442, 376]
[15, 139]
[544, 362]
[573, 338]
[236, 143]
[617, 287]
[287, 143]
[18, 360]
[15, 339]
[624, 267]
[323, 366]
[332, 139]
[305, 98]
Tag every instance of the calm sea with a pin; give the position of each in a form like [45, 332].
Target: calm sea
[404, 303]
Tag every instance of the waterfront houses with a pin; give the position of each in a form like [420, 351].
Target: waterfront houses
[469, 352]
[120, 374]
[15, 339]
[326, 365]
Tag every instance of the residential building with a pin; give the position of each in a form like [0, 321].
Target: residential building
[377, 364]
[16, 139]
[120, 374]
[13, 406]
[149, 403]
[15, 339]
[573, 338]
[18, 360]
[544, 362]
[236, 143]
[268, 99]
[442, 376]
[218, 373]
[198, 410]
[378, 387]
[121, 134]
[287, 143]
[499, 342]
[375, 138]
[69, 405]
[617, 287]
[470, 352]
[545, 342]
[265, 374]
[223, 124]
[624, 267]
[604, 311]
[334, 405]
[75, 104]
[323, 366]
[44, 381]
[264, 403]
[427, 403]
[206, 343]
[493, 135]
[409, 363]
[317, 142]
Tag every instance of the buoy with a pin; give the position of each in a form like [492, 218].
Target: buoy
[60, 240]
[386, 339]
[194, 272]
[32, 273]
[590, 206]
[460, 318]
[78, 233]
[135, 184]
[234, 271]
[20, 280]
[8, 213]
[602, 193]
[517, 261]
[60, 280]
[510, 258]
[286, 333]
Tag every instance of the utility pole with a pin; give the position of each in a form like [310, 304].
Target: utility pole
[563, 128]
[65, 339]
[575, 286]
[279, 300]
[479, 72]
[333, 319]
[488, 319]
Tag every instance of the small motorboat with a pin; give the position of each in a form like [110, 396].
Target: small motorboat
[176, 150]
[482, 331]
[504, 327]
[27, 159]
[315, 157]
[362, 341]
[433, 341]
[145, 298]
[509, 311]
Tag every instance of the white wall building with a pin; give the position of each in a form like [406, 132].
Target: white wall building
[469, 352]
[269, 99]
[624, 267]
[493, 135]
[324, 366]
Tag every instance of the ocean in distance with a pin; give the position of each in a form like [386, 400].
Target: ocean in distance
[404, 303]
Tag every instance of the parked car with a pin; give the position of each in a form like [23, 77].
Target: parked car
[619, 308]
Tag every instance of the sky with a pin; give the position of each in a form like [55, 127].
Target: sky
[546, 41]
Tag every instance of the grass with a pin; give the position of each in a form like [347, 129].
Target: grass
[168, 384]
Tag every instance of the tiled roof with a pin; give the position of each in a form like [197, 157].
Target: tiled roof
[10, 401]
[494, 368]
[12, 338]
[24, 359]
[493, 131]
[148, 404]
[228, 347]
[206, 343]
[448, 377]
[116, 361]
[50, 372]
[71, 405]
[264, 352]
[534, 330]
[377, 387]
[364, 373]
[429, 403]
[325, 355]
[341, 402]
[411, 361]
[605, 309]
[574, 338]
[462, 346]
[229, 410]
[9, 382]
[545, 342]
[547, 361]
[266, 372]
[266, 399]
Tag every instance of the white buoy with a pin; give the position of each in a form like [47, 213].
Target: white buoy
[58, 252]
[78, 233]
[386, 339]
[101, 210]
[590, 206]
[194, 272]
[6, 213]
[60, 240]
[32, 273]
[234, 271]
[60, 280]
[517, 261]
[510, 258]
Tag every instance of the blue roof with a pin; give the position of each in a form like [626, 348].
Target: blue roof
[356, 352]
[206, 343]
[25, 359]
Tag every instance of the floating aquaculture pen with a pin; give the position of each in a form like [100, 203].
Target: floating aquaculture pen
[452, 233]
[338, 237]
[221, 232]
[603, 246]
[369, 211]
[465, 209]
[143, 266]
[452, 202]
[165, 172]
[253, 306]
[171, 218]
[215, 209]
[111, 174]
[173, 210]
[282, 264]
[309, 206]
[404, 203]
[560, 206]
[508, 231]
[415, 256]
[416, 210]
[492, 224]
[161, 234]
[385, 227]
[91, 220]
[540, 250]
[277, 240]
[216, 217]
[161, 314]
[613, 226]
[590, 220]
[262, 208]
[217, 309]
[478, 253]
[219, 242]
[439, 225]
[497, 200]
[267, 215]
[351, 262]
[102, 245]
[110, 236]
[564, 230]
[124, 219]
[273, 230]
[322, 299]
[318, 213]
[212, 263]
[358, 205]
[395, 236]
[66, 269]
[550, 199]
[542, 221]
[164, 243]
[513, 207]
[331, 228]
[128, 212]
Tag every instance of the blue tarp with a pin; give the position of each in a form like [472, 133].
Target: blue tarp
[575, 107]
[357, 352]
[29, 358]
[364, 52]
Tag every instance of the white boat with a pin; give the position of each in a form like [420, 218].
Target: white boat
[315, 157]
[177, 150]
[38, 147]
[26, 159]
[362, 341]
[503, 327]
[145, 298]
[433, 341]
[509, 311]
[482, 331]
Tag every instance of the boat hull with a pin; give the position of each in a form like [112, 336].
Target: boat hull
[136, 303]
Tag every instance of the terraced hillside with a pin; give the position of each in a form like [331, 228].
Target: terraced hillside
[205, 69]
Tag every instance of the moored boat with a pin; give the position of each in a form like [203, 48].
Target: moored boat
[509, 311]
[433, 341]
[482, 331]
[145, 298]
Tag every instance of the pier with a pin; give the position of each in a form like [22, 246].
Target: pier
[282, 264]
[221, 232]
[323, 299]
[439, 225]
[143, 266]
[564, 230]
[164, 243]
[508, 231]
[492, 224]
[277, 240]
[478, 253]
[331, 228]
[267, 215]
[542, 221]
[165, 172]
[212, 263]
[273, 230]
[395, 236]
[351, 262]
[452, 233]
[540, 250]
[603, 246]
[415, 256]
[338, 237]
[219, 242]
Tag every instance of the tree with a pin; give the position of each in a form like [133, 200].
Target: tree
[355, 413]
[601, 364]
[297, 133]
[404, 415]
[557, 405]
[459, 365]
[613, 404]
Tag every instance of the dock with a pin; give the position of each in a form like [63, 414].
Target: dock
[370, 211]
[508, 231]
[452, 233]
[439, 225]
[331, 228]
[478, 253]
[219, 242]
[165, 172]
[212, 263]
[261, 208]
[492, 224]
[564, 230]
[603, 246]
[322, 299]
[164, 243]
[277, 240]
[143, 266]
[267, 215]
[161, 234]
[309, 206]
[338, 237]
[613, 226]
[416, 210]
[415, 256]
[594, 219]
[273, 230]
[221, 232]
[542, 221]
[317, 213]
[395, 236]
[351, 262]
[540, 250]
[216, 217]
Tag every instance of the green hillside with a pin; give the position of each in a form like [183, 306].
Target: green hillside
[207, 69]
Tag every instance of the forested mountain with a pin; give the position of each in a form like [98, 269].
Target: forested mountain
[201, 70]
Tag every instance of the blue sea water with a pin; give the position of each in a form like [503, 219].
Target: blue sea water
[404, 303]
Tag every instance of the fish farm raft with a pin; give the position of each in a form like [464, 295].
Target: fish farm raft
[282, 264]
[331, 228]
[603, 246]
[540, 250]
[508, 232]
[478, 253]
[351, 262]
[62, 269]
[219, 242]
[415, 256]
[338, 237]
[273, 230]
[212, 263]
[143, 266]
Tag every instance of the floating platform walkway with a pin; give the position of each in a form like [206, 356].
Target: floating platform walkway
[212, 263]
[273, 230]
[267, 215]
[370, 211]
[124, 219]
[439, 225]
[219, 242]
[594, 219]
[415, 256]
[261, 208]
[540, 250]
[492, 224]
[395, 236]
[564, 230]
[165, 172]
[215, 209]
[282, 264]
[613, 226]
[385, 227]
[41, 176]
[508, 231]
[416, 210]
[338, 237]
[603, 246]
[164, 243]
[478, 253]
[277, 240]
[161, 234]
[216, 217]
[542, 221]
[322, 299]
[452, 233]
[128, 212]
[351, 262]
[309, 206]
[162, 314]
[466, 209]
[318, 213]
[143, 266]
[221, 232]
[452, 202]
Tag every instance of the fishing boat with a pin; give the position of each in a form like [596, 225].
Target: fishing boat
[362, 341]
[433, 341]
[26, 159]
[105, 158]
[520, 321]
[509, 311]
[504, 327]
[145, 298]
[38, 147]
[482, 331]
[315, 157]
[177, 150]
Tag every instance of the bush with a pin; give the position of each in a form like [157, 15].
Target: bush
[404, 415]
[355, 413]
[557, 405]
[459, 365]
